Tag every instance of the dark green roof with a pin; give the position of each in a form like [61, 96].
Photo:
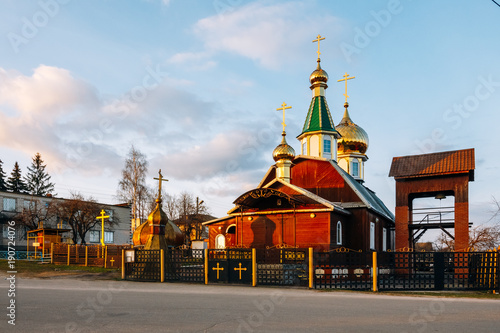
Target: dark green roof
[318, 117]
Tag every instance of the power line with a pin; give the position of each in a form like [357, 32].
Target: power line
[496, 3]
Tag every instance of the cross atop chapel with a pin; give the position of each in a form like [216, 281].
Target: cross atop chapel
[345, 78]
[283, 108]
[160, 179]
[318, 39]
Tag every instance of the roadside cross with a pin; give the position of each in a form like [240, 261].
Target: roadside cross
[102, 217]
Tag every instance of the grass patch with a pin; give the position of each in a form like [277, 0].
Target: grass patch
[34, 267]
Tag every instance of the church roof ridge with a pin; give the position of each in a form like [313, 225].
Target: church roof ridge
[367, 196]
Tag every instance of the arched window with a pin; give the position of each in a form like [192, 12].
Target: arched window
[339, 233]
[220, 241]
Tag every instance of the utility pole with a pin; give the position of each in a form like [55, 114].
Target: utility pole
[198, 224]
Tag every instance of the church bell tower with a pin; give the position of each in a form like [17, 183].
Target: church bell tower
[319, 136]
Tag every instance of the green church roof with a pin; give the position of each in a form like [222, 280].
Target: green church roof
[318, 117]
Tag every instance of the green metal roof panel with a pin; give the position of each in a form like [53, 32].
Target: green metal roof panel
[318, 117]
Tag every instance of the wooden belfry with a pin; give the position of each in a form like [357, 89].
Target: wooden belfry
[433, 175]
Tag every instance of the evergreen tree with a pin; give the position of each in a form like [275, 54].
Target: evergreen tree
[3, 185]
[15, 183]
[38, 180]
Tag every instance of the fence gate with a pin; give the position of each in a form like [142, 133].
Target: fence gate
[230, 266]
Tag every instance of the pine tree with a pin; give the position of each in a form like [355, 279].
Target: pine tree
[3, 185]
[38, 180]
[15, 183]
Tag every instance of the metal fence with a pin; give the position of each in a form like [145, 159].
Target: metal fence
[282, 267]
[328, 270]
[343, 270]
[438, 270]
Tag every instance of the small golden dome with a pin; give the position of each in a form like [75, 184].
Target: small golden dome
[283, 151]
[319, 75]
[354, 138]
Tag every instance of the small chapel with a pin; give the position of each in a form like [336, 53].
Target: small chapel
[316, 198]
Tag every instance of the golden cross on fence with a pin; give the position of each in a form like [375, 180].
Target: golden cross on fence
[218, 269]
[319, 38]
[345, 78]
[160, 179]
[240, 269]
[283, 108]
[102, 217]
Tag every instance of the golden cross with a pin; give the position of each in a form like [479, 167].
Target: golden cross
[160, 179]
[283, 107]
[112, 261]
[240, 269]
[317, 40]
[218, 269]
[345, 78]
[102, 217]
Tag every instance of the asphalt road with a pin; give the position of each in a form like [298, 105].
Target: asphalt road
[72, 305]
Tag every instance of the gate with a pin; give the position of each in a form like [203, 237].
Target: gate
[230, 266]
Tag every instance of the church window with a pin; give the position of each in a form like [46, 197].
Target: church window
[372, 235]
[220, 241]
[384, 239]
[339, 233]
[304, 148]
[355, 168]
[328, 146]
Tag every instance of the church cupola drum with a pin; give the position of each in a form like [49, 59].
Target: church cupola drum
[353, 144]
[319, 136]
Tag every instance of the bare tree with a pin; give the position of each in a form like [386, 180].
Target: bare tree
[189, 212]
[37, 214]
[132, 186]
[81, 215]
[481, 238]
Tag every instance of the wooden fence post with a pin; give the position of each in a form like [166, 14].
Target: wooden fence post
[162, 265]
[206, 266]
[311, 268]
[105, 256]
[375, 272]
[123, 264]
[86, 256]
[254, 268]
[51, 253]
[69, 253]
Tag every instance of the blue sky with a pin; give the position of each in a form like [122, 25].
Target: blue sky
[195, 85]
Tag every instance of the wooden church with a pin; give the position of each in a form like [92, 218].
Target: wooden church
[315, 199]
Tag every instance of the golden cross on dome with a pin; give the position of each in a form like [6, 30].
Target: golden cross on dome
[317, 40]
[283, 107]
[345, 78]
[160, 179]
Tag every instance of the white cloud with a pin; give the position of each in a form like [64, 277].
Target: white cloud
[272, 35]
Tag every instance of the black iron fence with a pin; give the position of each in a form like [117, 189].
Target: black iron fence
[282, 266]
[343, 270]
[327, 270]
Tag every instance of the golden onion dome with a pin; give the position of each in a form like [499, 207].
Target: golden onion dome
[354, 138]
[319, 75]
[173, 235]
[283, 151]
